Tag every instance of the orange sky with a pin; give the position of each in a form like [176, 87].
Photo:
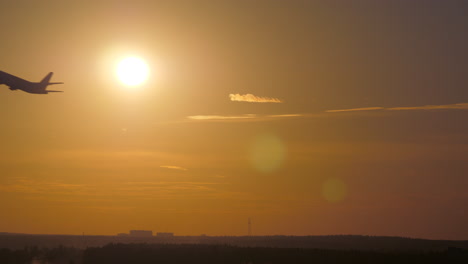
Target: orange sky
[309, 117]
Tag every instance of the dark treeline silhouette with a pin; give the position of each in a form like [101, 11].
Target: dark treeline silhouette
[58, 255]
[19, 256]
[207, 254]
[220, 254]
[338, 242]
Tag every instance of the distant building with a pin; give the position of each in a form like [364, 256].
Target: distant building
[122, 234]
[141, 233]
[161, 234]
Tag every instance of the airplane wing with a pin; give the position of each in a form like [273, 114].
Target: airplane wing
[11, 80]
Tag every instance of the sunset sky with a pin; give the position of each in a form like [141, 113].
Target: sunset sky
[309, 117]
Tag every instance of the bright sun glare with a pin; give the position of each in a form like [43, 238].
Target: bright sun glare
[132, 71]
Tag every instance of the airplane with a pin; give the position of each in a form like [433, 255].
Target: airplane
[16, 83]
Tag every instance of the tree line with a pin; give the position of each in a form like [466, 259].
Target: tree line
[219, 254]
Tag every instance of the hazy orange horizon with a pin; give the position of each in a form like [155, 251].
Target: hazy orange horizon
[308, 117]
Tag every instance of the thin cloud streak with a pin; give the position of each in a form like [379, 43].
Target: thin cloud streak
[355, 109]
[460, 106]
[173, 167]
[285, 115]
[253, 98]
[259, 118]
[34, 190]
[220, 117]
[244, 118]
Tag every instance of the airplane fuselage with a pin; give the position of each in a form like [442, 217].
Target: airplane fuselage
[30, 87]
[16, 83]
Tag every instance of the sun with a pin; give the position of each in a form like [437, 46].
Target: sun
[132, 71]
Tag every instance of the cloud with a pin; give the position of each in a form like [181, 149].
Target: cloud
[220, 117]
[173, 167]
[355, 109]
[24, 185]
[111, 191]
[259, 118]
[253, 98]
[285, 115]
[459, 106]
[240, 118]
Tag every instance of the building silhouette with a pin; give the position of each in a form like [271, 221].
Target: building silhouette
[162, 234]
[141, 233]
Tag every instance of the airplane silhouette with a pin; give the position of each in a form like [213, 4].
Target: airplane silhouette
[16, 83]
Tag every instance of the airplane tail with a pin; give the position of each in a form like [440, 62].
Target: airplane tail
[46, 79]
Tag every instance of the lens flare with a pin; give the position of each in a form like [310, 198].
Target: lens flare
[267, 153]
[334, 190]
